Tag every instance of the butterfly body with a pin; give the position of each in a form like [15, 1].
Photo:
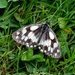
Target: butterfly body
[41, 36]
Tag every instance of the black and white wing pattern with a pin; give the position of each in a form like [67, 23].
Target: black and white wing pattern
[39, 35]
[28, 35]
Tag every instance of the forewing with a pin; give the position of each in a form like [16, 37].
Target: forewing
[28, 35]
[49, 44]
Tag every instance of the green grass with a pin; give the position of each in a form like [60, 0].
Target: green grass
[16, 59]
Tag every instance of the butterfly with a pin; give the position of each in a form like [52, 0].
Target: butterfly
[41, 36]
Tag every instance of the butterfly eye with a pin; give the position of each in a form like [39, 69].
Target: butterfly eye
[41, 36]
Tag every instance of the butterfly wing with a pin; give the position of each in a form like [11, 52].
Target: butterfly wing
[28, 35]
[49, 44]
[38, 35]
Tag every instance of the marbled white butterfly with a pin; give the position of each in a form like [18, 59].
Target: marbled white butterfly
[41, 36]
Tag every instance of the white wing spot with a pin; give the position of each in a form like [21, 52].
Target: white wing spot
[24, 30]
[33, 28]
[17, 33]
[55, 54]
[51, 35]
[49, 42]
[25, 38]
[51, 50]
[45, 51]
[35, 39]
[39, 47]
[31, 46]
[58, 51]
[30, 34]
[27, 44]
[32, 37]
[34, 45]
[41, 50]
[22, 37]
[17, 37]
[55, 45]
[46, 43]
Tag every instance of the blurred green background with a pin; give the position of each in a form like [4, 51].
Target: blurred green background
[16, 59]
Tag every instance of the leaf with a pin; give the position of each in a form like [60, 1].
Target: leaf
[3, 3]
[22, 73]
[18, 18]
[28, 56]
[62, 22]
[29, 67]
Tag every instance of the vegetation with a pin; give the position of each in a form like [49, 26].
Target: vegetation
[16, 59]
